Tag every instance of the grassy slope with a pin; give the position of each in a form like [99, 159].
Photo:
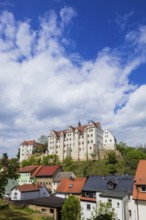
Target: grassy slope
[18, 214]
[87, 168]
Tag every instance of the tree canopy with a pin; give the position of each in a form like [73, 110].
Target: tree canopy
[71, 209]
[8, 171]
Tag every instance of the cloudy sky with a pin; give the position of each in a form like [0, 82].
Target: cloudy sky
[64, 61]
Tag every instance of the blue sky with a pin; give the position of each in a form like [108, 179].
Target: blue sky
[65, 61]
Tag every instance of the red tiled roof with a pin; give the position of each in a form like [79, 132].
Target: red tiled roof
[28, 188]
[31, 142]
[79, 128]
[68, 185]
[47, 170]
[140, 180]
[28, 169]
[36, 171]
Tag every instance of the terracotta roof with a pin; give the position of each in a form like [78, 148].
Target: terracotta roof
[31, 142]
[140, 180]
[47, 170]
[28, 188]
[79, 128]
[28, 169]
[70, 185]
[36, 171]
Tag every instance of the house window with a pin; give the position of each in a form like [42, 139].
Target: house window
[87, 194]
[51, 211]
[43, 210]
[88, 206]
[143, 188]
[15, 195]
[110, 201]
[118, 204]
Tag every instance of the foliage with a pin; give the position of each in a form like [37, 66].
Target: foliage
[8, 172]
[4, 160]
[104, 211]
[112, 159]
[71, 209]
[50, 160]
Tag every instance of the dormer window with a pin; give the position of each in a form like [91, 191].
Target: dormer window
[70, 186]
[111, 184]
[143, 189]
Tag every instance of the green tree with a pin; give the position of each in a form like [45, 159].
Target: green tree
[4, 160]
[104, 212]
[71, 209]
[10, 171]
[112, 159]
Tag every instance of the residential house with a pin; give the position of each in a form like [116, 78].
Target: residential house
[79, 142]
[46, 174]
[10, 185]
[139, 191]
[27, 148]
[59, 177]
[49, 206]
[27, 173]
[29, 191]
[70, 186]
[114, 189]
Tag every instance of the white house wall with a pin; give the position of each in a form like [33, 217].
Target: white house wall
[87, 213]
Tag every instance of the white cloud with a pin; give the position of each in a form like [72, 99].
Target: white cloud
[66, 14]
[42, 88]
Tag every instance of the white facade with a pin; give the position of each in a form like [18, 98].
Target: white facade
[109, 141]
[80, 143]
[88, 209]
[26, 150]
[22, 195]
[120, 206]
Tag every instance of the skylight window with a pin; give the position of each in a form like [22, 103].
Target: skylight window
[70, 185]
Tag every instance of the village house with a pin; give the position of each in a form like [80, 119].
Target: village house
[27, 173]
[46, 174]
[70, 186]
[49, 207]
[139, 191]
[113, 189]
[59, 177]
[29, 191]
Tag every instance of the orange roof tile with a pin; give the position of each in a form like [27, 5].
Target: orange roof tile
[140, 180]
[69, 185]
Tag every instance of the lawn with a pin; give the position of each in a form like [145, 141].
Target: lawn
[12, 213]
